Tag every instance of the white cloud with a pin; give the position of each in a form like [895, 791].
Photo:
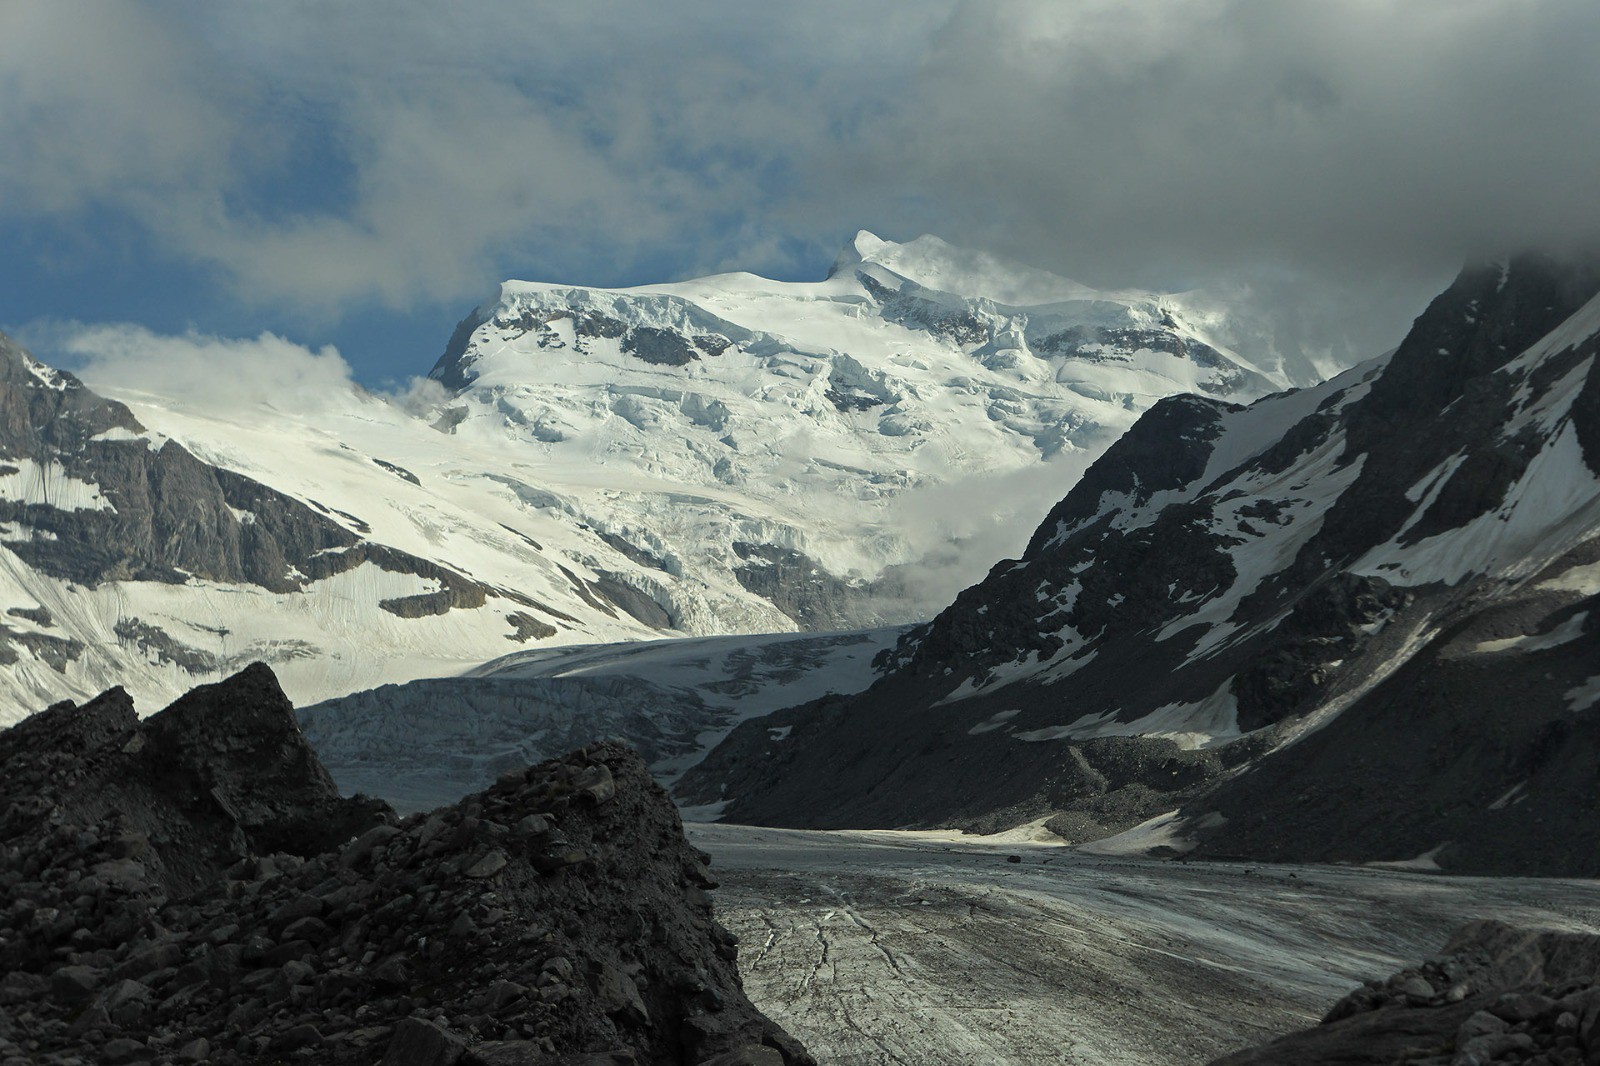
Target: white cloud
[419, 397]
[400, 152]
[1219, 133]
[967, 525]
[1344, 155]
[201, 372]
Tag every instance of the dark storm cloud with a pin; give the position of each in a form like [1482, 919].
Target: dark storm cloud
[1338, 157]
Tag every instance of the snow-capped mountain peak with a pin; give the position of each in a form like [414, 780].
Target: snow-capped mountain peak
[933, 264]
[759, 427]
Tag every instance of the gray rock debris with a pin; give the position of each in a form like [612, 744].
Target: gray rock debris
[191, 888]
[1496, 995]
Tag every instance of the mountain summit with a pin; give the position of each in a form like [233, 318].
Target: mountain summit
[810, 439]
[933, 264]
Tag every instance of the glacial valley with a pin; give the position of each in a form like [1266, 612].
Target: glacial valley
[875, 948]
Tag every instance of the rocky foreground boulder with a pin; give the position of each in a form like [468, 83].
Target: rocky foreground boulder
[1495, 995]
[191, 888]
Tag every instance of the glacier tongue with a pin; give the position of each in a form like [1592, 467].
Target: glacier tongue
[431, 742]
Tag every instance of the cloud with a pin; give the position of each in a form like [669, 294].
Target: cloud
[319, 156]
[1339, 159]
[419, 397]
[222, 376]
[107, 104]
[963, 527]
[1343, 157]
[198, 371]
[444, 186]
[1221, 132]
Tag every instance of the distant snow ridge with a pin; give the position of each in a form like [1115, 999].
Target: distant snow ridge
[127, 558]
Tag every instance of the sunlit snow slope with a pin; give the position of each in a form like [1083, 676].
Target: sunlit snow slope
[127, 558]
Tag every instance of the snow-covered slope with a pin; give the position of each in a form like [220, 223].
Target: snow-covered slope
[1388, 580]
[823, 444]
[127, 558]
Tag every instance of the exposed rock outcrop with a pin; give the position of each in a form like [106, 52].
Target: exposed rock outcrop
[191, 888]
[1496, 994]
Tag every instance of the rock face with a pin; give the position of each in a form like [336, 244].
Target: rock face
[1495, 994]
[175, 799]
[95, 500]
[1387, 582]
[192, 889]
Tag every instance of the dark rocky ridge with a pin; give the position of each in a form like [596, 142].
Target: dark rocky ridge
[1475, 759]
[171, 514]
[1208, 560]
[1495, 994]
[192, 889]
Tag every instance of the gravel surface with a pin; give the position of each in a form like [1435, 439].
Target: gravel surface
[881, 948]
